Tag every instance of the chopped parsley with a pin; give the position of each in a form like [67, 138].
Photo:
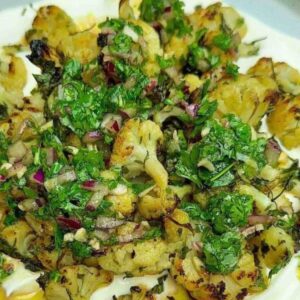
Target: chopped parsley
[213, 160]
[232, 70]
[221, 253]
[223, 41]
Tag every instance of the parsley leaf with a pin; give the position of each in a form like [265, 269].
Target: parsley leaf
[88, 164]
[151, 10]
[232, 70]
[222, 41]
[227, 211]
[221, 252]
[81, 250]
[213, 160]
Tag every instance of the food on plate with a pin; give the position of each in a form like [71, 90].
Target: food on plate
[139, 152]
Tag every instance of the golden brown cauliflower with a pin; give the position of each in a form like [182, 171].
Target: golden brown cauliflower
[144, 258]
[135, 149]
[248, 97]
[19, 236]
[190, 272]
[287, 78]
[215, 18]
[78, 283]
[51, 23]
[283, 121]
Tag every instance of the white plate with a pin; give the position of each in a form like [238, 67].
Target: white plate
[282, 15]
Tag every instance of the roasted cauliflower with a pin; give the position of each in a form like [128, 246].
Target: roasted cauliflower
[135, 149]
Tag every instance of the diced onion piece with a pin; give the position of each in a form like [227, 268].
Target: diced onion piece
[39, 176]
[60, 179]
[69, 223]
[108, 223]
[92, 137]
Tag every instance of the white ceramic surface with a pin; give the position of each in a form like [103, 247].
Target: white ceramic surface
[277, 14]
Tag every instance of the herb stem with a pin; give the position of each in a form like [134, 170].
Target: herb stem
[222, 172]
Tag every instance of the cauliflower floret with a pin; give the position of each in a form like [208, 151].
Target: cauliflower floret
[283, 121]
[79, 283]
[145, 258]
[287, 78]
[189, 272]
[177, 226]
[123, 203]
[248, 97]
[153, 205]
[51, 23]
[135, 148]
[152, 47]
[19, 236]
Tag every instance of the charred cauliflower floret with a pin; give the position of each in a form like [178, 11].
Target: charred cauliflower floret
[220, 23]
[287, 77]
[248, 97]
[155, 204]
[145, 258]
[77, 282]
[151, 47]
[81, 46]
[19, 236]
[51, 23]
[283, 121]
[274, 246]
[123, 203]
[191, 273]
[13, 77]
[135, 148]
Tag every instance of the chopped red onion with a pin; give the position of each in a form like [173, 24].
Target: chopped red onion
[272, 152]
[260, 219]
[150, 87]
[110, 71]
[197, 247]
[252, 229]
[115, 126]
[51, 156]
[168, 9]
[89, 184]
[192, 109]
[70, 223]
[92, 185]
[92, 137]
[124, 114]
[40, 202]
[90, 207]
[186, 90]
[39, 176]
[2, 178]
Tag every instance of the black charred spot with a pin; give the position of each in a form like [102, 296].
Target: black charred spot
[242, 294]
[102, 40]
[135, 289]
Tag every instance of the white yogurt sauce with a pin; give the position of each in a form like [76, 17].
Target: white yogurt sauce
[280, 47]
